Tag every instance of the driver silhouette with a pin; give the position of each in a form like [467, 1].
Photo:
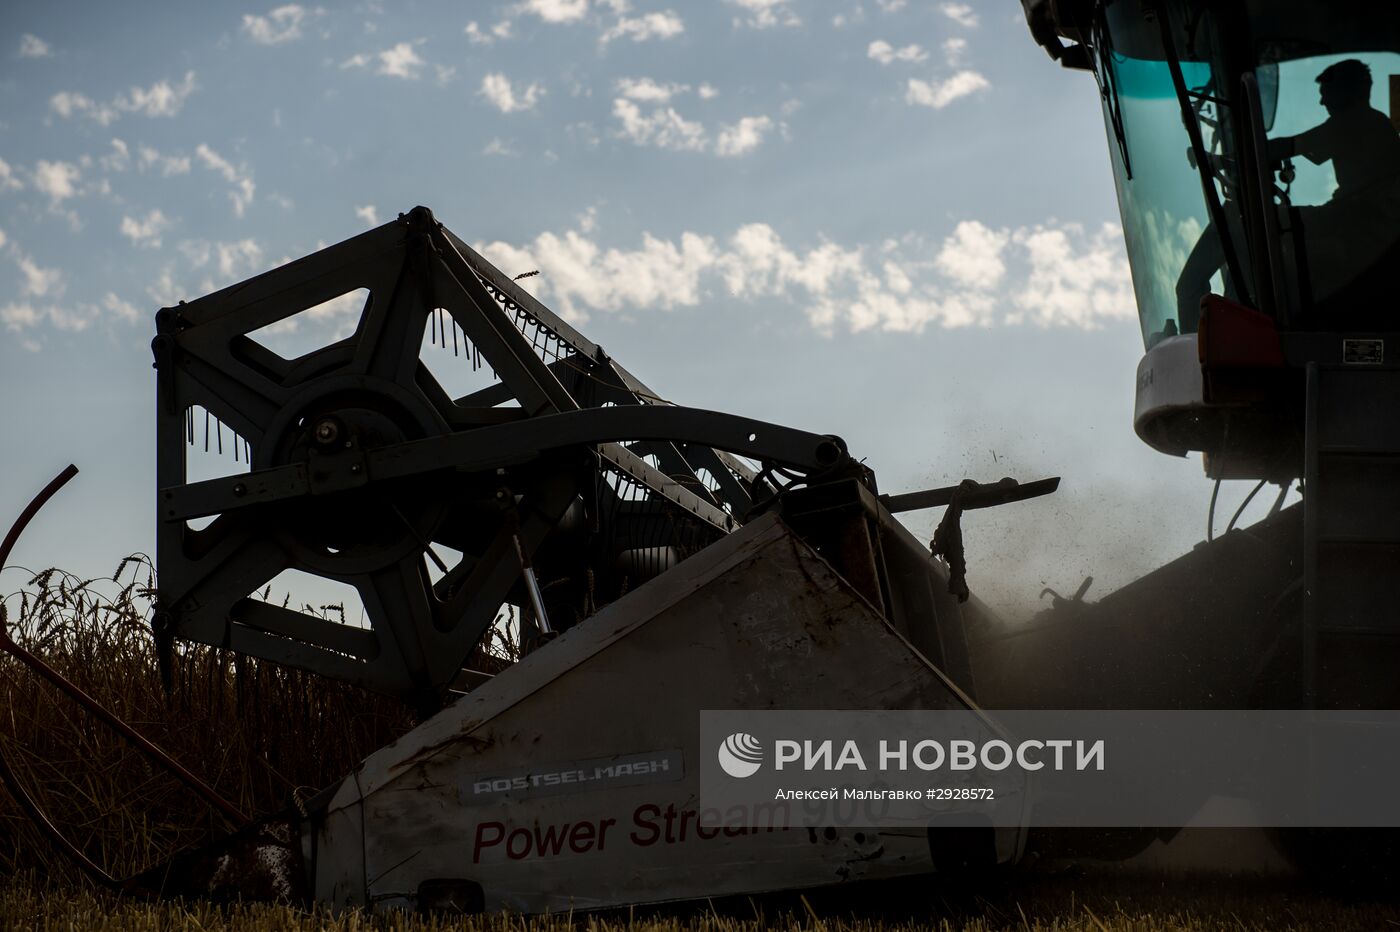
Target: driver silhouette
[1342, 240]
[1359, 140]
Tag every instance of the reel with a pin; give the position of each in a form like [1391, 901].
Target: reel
[550, 490]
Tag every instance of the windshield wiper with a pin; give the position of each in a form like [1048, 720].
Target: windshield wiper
[1101, 56]
[1193, 131]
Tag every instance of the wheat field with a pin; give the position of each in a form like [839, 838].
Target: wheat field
[1113, 903]
[260, 735]
[257, 733]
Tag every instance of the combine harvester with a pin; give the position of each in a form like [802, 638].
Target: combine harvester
[658, 561]
[652, 561]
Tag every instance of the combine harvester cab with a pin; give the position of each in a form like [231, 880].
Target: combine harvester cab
[1256, 157]
[649, 561]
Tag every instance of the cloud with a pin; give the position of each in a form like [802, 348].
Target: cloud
[118, 160]
[342, 306]
[884, 53]
[763, 14]
[477, 36]
[663, 128]
[498, 146]
[232, 260]
[68, 104]
[1046, 276]
[19, 317]
[145, 232]
[8, 181]
[960, 13]
[555, 11]
[341, 313]
[582, 275]
[648, 91]
[664, 25]
[954, 48]
[1075, 278]
[161, 99]
[282, 24]
[400, 61]
[122, 310]
[497, 90]
[742, 137]
[238, 258]
[241, 180]
[39, 282]
[368, 214]
[23, 316]
[148, 158]
[165, 291]
[31, 46]
[972, 255]
[939, 94]
[56, 179]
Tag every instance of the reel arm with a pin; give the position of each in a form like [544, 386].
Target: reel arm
[502, 445]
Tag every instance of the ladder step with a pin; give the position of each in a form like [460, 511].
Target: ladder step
[1345, 450]
[1353, 539]
[1336, 631]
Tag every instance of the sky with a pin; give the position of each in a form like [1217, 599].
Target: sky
[891, 220]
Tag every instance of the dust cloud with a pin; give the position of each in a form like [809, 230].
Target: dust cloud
[1096, 524]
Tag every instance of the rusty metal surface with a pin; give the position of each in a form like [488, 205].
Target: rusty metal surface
[758, 620]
